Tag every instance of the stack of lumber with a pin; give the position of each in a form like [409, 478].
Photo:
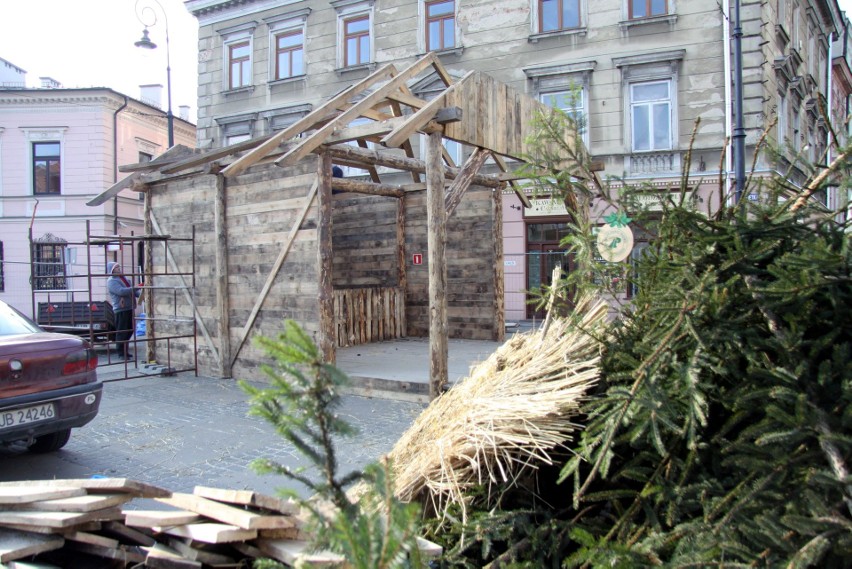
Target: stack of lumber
[88, 523]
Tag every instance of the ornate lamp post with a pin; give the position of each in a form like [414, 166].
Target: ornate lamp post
[146, 43]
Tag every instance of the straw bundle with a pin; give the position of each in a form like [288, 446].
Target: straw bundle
[506, 417]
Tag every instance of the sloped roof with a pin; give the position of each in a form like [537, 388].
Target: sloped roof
[475, 110]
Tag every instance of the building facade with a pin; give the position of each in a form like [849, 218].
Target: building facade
[58, 149]
[652, 80]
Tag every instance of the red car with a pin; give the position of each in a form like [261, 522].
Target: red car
[48, 383]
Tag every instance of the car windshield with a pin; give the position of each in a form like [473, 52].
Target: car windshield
[13, 322]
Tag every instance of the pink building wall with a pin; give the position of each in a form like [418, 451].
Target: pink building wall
[83, 122]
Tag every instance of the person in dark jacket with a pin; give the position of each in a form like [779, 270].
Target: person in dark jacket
[122, 296]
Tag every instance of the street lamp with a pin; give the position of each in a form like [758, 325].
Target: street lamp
[146, 43]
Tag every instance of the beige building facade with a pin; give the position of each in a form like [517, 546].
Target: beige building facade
[652, 79]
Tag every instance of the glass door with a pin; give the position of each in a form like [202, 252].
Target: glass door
[544, 253]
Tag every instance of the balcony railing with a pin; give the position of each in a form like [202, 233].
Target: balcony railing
[652, 163]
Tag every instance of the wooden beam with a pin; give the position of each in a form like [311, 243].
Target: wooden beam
[415, 122]
[174, 154]
[420, 118]
[213, 155]
[367, 130]
[223, 297]
[325, 258]
[436, 215]
[370, 188]
[267, 286]
[401, 264]
[296, 128]
[319, 137]
[499, 271]
[406, 99]
[515, 188]
[464, 179]
[391, 160]
[115, 189]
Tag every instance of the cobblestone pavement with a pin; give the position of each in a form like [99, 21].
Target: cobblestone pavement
[182, 431]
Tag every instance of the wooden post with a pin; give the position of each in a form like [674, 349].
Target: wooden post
[147, 271]
[499, 285]
[326, 258]
[402, 270]
[436, 218]
[223, 298]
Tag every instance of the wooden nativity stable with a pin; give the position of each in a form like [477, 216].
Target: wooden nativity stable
[277, 236]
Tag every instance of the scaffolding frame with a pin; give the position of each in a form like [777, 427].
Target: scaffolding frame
[122, 248]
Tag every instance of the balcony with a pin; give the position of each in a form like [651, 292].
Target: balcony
[652, 164]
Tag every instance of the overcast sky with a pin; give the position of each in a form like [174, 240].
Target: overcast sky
[89, 43]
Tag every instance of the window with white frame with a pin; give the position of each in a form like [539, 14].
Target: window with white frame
[565, 87]
[287, 45]
[782, 120]
[237, 53]
[555, 15]
[354, 33]
[646, 8]
[573, 103]
[651, 115]
[439, 24]
[649, 83]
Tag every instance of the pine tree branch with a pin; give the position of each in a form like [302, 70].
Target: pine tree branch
[835, 458]
[815, 184]
[641, 376]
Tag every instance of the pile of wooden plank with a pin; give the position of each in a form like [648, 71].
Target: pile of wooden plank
[89, 523]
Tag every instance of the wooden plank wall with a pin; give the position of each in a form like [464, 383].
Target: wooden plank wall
[262, 204]
[486, 102]
[470, 267]
[177, 207]
[364, 240]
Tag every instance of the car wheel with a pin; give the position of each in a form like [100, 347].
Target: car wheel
[51, 442]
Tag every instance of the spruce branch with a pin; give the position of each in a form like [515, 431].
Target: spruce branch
[817, 182]
[641, 374]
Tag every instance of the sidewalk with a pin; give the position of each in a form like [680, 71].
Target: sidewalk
[397, 369]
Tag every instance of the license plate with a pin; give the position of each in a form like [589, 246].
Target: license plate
[15, 417]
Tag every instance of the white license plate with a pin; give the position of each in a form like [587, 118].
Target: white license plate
[16, 417]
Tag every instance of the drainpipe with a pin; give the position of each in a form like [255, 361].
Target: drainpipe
[115, 163]
[726, 33]
[739, 131]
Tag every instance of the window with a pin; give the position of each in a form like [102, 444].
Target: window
[289, 54]
[650, 116]
[49, 266]
[556, 15]
[46, 168]
[237, 128]
[356, 41]
[647, 8]
[782, 120]
[239, 64]
[572, 103]
[565, 87]
[2, 269]
[440, 25]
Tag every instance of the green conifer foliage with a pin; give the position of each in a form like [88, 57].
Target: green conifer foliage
[720, 432]
[376, 531]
